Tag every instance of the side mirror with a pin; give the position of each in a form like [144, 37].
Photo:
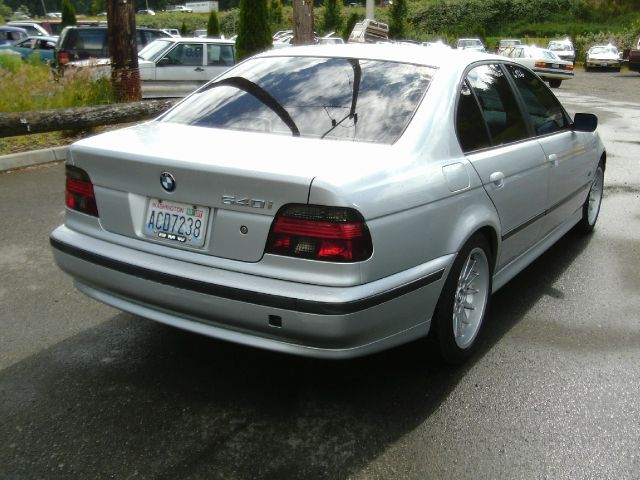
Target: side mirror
[585, 122]
[163, 61]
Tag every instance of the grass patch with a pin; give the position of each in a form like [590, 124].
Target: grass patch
[32, 86]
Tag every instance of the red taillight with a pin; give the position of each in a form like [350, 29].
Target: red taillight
[567, 67]
[541, 65]
[334, 234]
[78, 194]
[63, 58]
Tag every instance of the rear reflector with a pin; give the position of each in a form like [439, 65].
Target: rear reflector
[332, 234]
[78, 194]
[63, 58]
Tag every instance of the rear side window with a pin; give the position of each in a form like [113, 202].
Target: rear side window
[470, 127]
[90, 39]
[543, 108]
[333, 98]
[498, 104]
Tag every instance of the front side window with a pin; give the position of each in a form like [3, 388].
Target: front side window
[189, 54]
[325, 98]
[543, 108]
[498, 104]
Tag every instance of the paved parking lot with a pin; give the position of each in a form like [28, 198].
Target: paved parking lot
[89, 392]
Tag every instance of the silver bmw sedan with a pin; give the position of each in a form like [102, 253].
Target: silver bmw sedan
[332, 201]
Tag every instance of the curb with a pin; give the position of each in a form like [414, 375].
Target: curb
[35, 157]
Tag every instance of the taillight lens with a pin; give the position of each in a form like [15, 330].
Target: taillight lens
[63, 58]
[332, 234]
[541, 64]
[567, 67]
[78, 194]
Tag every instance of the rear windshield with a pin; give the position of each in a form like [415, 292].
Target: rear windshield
[332, 98]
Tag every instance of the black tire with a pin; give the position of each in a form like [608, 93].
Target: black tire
[453, 341]
[591, 206]
[554, 83]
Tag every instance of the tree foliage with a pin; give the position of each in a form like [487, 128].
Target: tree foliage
[213, 25]
[332, 20]
[254, 34]
[398, 19]
[276, 15]
[68, 13]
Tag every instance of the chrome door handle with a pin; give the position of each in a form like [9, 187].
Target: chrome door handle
[497, 178]
[553, 159]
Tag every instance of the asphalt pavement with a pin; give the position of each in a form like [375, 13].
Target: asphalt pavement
[90, 392]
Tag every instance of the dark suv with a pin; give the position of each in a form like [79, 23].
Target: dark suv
[84, 43]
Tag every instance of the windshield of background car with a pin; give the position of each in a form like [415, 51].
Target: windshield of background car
[154, 49]
[333, 98]
[560, 47]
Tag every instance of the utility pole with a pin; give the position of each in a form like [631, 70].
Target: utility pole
[121, 34]
[370, 9]
[303, 22]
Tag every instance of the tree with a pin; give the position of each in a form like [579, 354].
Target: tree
[276, 15]
[68, 14]
[183, 29]
[332, 20]
[5, 11]
[351, 22]
[213, 25]
[121, 36]
[254, 35]
[398, 19]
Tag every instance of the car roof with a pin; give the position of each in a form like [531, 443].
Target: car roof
[197, 39]
[392, 52]
[9, 28]
[49, 38]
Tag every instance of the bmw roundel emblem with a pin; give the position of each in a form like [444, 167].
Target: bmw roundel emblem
[167, 181]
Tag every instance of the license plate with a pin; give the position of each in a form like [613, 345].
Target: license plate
[603, 64]
[556, 65]
[178, 223]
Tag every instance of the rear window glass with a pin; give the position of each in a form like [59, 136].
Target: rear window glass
[333, 98]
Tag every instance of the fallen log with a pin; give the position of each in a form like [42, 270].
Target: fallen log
[80, 118]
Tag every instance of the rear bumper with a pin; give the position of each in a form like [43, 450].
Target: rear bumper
[547, 73]
[291, 317]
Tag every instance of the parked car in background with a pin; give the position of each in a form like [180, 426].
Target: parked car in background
[179, 8]
[564, 49]
[146, 12]
[507, 42]
[369, 31]
[10, 35]
[85, 43]
[174, 67]
[634, 58]
[33, 29]
[201, 32]
[603, 56]
[332, 201]
[174, 32]
[43, 47]
[470, 44]
[544, 62]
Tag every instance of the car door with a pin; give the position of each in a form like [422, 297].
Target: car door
[184, 62]
[568, 154]
[511, 164]
[220, 57]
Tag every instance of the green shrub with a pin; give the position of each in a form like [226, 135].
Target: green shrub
[254, 33]
[213, 25]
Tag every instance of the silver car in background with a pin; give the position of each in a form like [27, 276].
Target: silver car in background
[332, 201]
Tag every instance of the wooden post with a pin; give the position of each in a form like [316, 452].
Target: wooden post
[303, 22]
[121, 33]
